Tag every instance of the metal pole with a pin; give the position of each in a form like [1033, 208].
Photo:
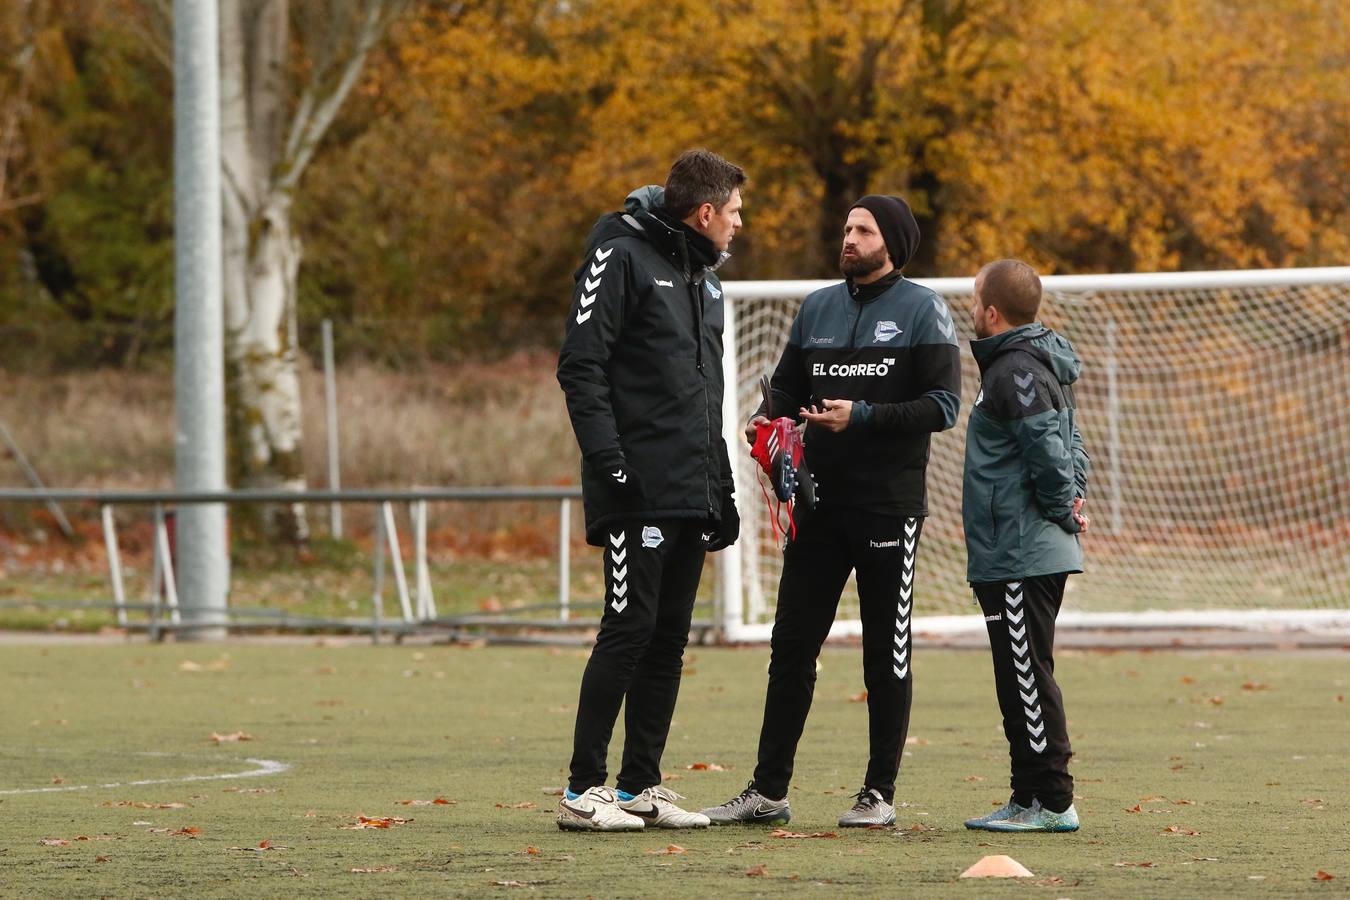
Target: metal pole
[564, 559]
[377, 597]
[114, 564]
[729, 608]
[330, 401]
[1113, 426]
[199, 369]
[31, 474]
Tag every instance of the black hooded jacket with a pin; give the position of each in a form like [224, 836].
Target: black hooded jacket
[641, 366]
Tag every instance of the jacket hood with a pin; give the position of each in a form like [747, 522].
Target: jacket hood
[1053, 349]
[644, 216]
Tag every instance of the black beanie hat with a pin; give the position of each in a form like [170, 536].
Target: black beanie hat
[896, 221]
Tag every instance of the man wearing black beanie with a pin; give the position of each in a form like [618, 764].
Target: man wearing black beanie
[872, 367]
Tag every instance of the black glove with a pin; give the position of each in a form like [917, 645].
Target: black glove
[725, 531]
[619, 484]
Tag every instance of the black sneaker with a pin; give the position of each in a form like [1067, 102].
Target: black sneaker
[871, 809]
[750, 807]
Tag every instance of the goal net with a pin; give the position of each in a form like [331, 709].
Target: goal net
[1216, 409]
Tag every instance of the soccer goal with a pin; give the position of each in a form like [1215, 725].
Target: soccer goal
[1216, 409]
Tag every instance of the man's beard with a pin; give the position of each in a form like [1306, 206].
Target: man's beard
[862, 265]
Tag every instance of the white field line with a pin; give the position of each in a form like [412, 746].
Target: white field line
[265, 767]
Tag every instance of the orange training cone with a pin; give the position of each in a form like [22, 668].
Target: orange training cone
[997, 867]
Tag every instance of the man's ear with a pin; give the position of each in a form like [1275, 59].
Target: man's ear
[705, 214]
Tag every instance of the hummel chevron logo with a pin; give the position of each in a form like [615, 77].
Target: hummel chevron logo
[1014, 585]
[1016, 617]
[620, 589]
[910, 526]
[1014, 600]
[587, 300]
[583, 316]
[597, 269]
[941, 308]
[620, 476]
[945, 328]
[903, 622]
[1018, 633]
[909, 560]
[1026, 399]
[1026, 680]
[1036, 731]
[619, 605]
[616, 539]
[907, 577]
[619, 574]
[1030, 698]
[603, 255]
[1023, 381]
[906, 592]
[1039, 748]
[909, 547]
[1020, 649]
[1023, 665]
[900, 656]
[618, 558]
[592, 285]
[1034, 713]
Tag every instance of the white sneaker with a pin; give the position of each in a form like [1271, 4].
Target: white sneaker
[595, 810]
[656, 807]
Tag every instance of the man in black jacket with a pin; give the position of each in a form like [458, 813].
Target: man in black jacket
[873, 368]
[641, 366]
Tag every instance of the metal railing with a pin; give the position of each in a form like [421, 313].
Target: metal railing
[417, 605]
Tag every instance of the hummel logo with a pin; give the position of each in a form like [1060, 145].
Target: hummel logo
[620, 476]
[707, 536]
[603, 255]
[660, 283]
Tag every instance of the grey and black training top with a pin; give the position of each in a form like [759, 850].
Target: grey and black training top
[895, 356]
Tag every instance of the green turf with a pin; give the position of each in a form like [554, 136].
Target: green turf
[364, 728]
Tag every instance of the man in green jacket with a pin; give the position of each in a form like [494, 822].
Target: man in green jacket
[1022, 506]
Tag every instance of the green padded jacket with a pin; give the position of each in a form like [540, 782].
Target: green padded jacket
[1025, 459]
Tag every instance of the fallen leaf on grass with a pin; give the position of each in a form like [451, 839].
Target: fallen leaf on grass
[231, 737]
[57, 779]
[54, 842]
[371, 869]
[439, 801]
[524, 804]
[1182, 802]
[531, 851]
[1134, 865]
[670, 850]
[363, 822]
[1216, 700]
[916, 828]
[1323, 876]
[705, 767]
[189, 831]
[784, 833]
[1186, 679]
[99, 859]
[973, 778]
[858, 698]
[1255, 686]
[758, 871]
[1177, 829]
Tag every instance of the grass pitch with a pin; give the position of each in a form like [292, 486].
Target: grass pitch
[1198, 775]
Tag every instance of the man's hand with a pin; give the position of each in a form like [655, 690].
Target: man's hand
[1078, 516]
[752, 429]
[832, 415]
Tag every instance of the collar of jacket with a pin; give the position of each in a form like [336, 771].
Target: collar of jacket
[684, 246]
[866, 293]
[986, 350]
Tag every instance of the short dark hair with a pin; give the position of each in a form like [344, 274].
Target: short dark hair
[1013, 288]
[699, 177]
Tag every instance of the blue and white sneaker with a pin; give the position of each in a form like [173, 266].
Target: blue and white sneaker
[1006, 811]
[1037, 818]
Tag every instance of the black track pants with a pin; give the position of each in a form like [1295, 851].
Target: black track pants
[652, 572]
[829, 544]
[1020, 618]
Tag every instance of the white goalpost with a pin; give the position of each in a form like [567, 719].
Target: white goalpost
[1216, 409]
